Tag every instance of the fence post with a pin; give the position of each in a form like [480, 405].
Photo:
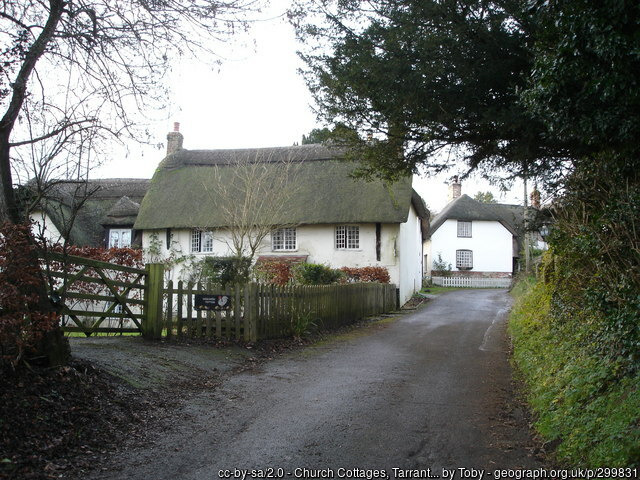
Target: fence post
[152, 323]
[251, 299]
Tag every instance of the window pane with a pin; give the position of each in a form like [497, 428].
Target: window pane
[195, 240]
[353, 237]
[347, 237]
[290, 242]
[341, 237]
[284, 239]
[125, 238]
[114, 238]
[277, 239]
[119, 238]
[207, 241]
[464, 229]
[464, 259]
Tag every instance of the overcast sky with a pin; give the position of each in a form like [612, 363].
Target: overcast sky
[255, 98]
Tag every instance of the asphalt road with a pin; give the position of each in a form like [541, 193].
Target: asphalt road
[431, 390]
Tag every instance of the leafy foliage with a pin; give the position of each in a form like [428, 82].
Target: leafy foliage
[585, 401]
[224, 270]
[273, 272]
[441, 268]
[410, 79]
[316, 274]
[484, 197]
[367, 274]
[317, 135]
[584, 84]
[597, 243]
[23, 324]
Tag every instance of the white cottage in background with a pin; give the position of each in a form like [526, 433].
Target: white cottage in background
[476, 239]
[329, 218]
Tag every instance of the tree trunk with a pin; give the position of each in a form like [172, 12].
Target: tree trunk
[54, 347]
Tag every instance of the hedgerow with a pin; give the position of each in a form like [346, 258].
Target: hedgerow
[585, 400]
[367, 274]
[285, 272]
[23, 323]
[316, 274]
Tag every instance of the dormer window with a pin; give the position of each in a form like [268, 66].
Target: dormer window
[119, 237]
[464, 229]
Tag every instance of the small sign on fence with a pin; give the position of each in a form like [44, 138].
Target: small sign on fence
[212, 302]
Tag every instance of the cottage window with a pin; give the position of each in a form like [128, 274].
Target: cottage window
[201, 241]
[284, 239]
[464, 229]
[119, 238]
[347, 237]
[464, 259]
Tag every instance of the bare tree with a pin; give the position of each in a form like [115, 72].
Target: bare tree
[76, 71]
[79, 65]
[254, 192]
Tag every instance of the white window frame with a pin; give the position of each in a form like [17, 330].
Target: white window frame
[284, 240]
[464, 229]
[117, 237]
[464, 259]
[347, 237]
[201, 241]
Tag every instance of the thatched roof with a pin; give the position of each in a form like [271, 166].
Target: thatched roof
[124, 212]
[185, 190]
[104, 202]
[466, 208]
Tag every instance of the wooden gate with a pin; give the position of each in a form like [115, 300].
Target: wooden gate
[96, 296]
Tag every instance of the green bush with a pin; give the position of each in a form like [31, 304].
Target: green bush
[587, 402]
[223, 270]
[316, 274]
[440, 268]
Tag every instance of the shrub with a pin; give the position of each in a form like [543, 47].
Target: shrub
[223, 270]
[23, 324]
[440, 268]
[367, 274]
[274, 272]
[316, 274]
[585, 402]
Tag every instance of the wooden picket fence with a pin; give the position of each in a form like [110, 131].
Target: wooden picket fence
[254, 311]
[98, 297]
[471, 282]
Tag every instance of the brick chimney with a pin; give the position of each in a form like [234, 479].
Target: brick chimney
[174, 139]
[455, 188]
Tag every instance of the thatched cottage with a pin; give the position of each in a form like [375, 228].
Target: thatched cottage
[478, 239]
[92, 213]
[211, 202]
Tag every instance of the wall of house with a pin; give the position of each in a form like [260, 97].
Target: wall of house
[410, 256]
[491, 244]
[43, 225]
[315, 241]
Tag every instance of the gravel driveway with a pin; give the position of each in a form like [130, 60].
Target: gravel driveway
[429, 390]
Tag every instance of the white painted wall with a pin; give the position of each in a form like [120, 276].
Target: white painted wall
[491, 244]
[399, 243]
[410, 256]
[43, 225]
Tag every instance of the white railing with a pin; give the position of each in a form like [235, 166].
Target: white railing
[471, 282]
